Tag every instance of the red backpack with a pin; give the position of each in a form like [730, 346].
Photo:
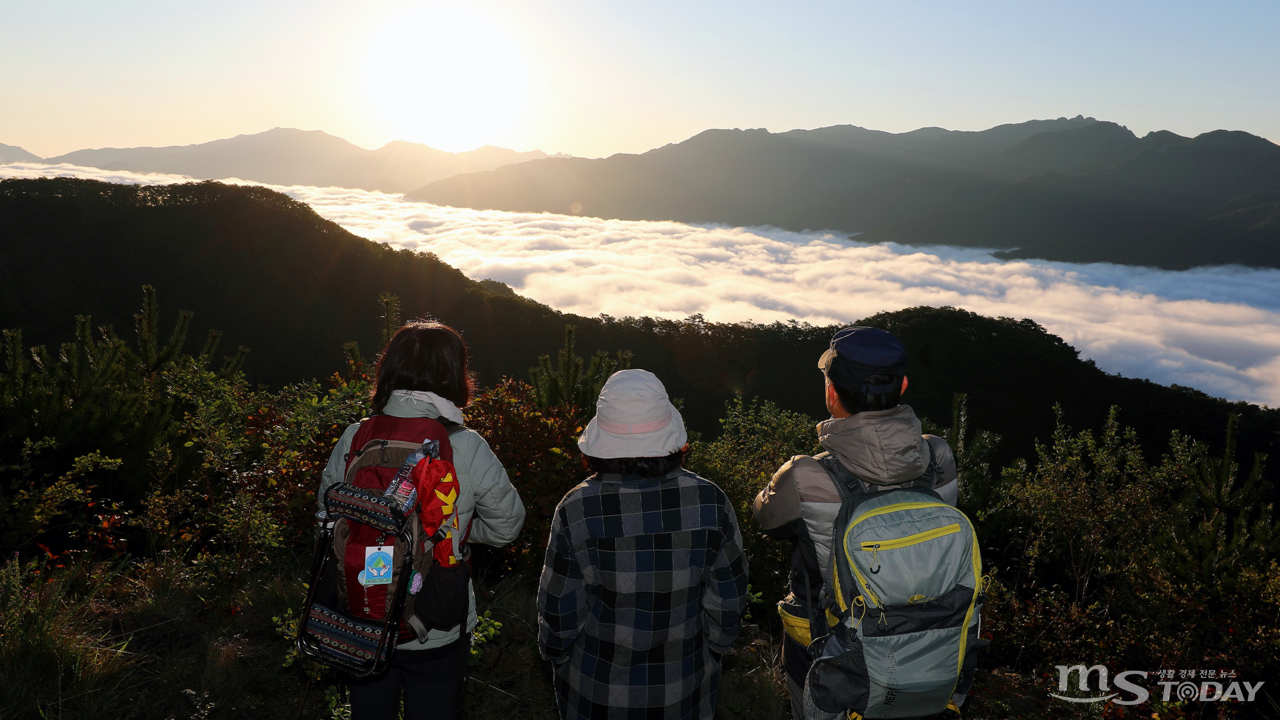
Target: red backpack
[381, 575]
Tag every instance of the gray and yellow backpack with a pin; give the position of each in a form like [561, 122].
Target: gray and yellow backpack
[906, 587]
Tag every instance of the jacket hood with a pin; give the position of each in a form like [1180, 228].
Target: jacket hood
[881, 447]
[417, 403]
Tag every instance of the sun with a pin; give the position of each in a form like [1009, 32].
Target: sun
[444, 75]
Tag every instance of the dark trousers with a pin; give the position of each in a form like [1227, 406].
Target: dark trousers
[795, 664]
[431, 682]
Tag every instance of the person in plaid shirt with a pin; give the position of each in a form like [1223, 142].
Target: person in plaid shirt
[645, 583]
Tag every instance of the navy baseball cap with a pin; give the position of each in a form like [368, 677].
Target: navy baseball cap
[857, 353]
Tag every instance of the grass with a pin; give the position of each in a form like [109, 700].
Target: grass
[511, 681]
[144, 642]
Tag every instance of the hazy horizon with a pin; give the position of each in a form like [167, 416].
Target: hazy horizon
[1215, 329]
[593, 79]
[526, 150]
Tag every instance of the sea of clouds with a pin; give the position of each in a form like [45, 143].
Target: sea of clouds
[1215, 329]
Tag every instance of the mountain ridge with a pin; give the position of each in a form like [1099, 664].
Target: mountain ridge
[1077, 189]
[289, 156]
[12, 153]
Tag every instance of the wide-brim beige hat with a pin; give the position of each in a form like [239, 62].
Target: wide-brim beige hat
[634, 418]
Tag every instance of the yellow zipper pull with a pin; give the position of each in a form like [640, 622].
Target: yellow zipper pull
[875, 559]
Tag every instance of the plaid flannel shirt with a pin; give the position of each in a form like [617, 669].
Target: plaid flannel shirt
[643, 589]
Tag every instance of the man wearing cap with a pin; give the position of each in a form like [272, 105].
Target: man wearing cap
[875, 439]
[645, 583]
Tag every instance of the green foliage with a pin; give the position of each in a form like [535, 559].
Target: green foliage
[286, 625]
[974, 453]
[486, 629]
[1109, 571]
[253, 493]
[1090, 502]
[753, 598]
[539, 447]
[338, 706]
[568, 384]
[390, 315]
[97, 411]
[757, 438]
[245, 536]
[1229, 523]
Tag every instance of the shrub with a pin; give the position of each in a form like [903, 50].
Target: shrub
[1104, 576]
[757, 438]
[539, 448]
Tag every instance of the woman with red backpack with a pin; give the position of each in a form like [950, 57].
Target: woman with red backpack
[422, 378]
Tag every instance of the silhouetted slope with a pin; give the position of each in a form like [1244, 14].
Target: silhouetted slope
[280, 156]
[1243, 231]
[745, 177]
[1088, 219]
[1217, 165]
[293, 287]
[265, 268]
[1071, 152]
[881, 203]
[935, 147]
[11, 154]
[285, 156]
[1174, 204]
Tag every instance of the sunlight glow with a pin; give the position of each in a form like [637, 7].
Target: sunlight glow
[444, 75]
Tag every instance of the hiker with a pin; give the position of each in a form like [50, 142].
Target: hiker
[422, 373]
[645, 583]
[874, 438]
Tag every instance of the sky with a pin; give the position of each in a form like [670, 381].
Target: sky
[1214, 329]
[597, 78]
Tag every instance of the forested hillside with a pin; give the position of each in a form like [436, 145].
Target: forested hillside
[292, 287]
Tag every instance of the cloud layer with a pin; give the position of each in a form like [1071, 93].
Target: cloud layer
[1214, 329]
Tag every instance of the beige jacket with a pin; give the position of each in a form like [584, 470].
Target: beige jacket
[883, 448]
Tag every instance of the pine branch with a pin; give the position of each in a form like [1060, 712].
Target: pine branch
[390, 315]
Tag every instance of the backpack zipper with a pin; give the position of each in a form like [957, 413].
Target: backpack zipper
[876, 546]
[862, 582]
[912, 539]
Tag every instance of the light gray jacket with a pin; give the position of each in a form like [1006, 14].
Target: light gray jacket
[484, 490]
[883, 448]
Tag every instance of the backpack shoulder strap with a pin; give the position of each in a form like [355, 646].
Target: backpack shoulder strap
[402, 429]
[847, 484]
[931, 469]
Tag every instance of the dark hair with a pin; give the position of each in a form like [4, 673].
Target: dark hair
[855, 402]
[427, 356]
[642, 466]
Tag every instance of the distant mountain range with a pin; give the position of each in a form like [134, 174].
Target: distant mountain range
[1071, 189]
[1074, 189]
[285, 156]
